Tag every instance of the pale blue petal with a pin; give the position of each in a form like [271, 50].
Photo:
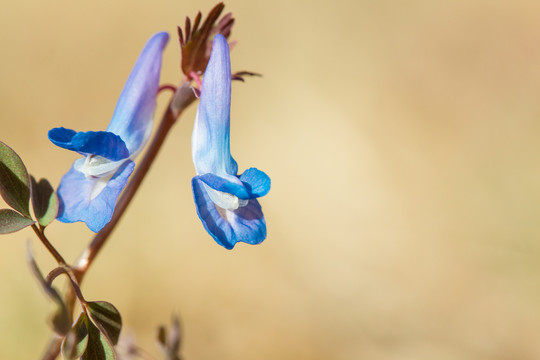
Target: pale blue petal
[248, 223]
[102, 143]
[245, 224]
[133, 116]
[256, 181]
[75, 194]
[212, 221]
[225, 185]
[210, 139]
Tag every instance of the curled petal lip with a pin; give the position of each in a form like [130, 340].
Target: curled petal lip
[256, 181]
[252, 184]
[227, 227]
[225, 185]
[102, 143]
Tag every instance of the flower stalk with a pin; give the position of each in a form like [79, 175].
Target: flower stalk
[41, 235]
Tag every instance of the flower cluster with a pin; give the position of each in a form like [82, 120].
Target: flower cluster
[226, 203]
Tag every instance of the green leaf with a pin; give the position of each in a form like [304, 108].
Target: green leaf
[11, 221]
[14, 182]
[76, 341]
[44, 201]
[99, 346]
[107, 318]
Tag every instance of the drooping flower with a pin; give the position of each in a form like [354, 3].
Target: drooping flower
[89, 190]
[226, 203]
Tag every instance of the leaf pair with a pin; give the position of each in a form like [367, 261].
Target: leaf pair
[16, 188]
[94, 334]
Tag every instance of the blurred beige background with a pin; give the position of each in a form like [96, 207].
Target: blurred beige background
[402, 139]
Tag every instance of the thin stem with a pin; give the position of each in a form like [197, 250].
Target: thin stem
[167, 87]
[75, 286]
[41, 235]
[72, 277]
[53, 349]
[53, 274]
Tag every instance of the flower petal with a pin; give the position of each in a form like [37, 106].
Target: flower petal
[210, 139]
[256, 181]
[91, 201]
[133, 116]
[102, 143]
[248, 223]
[227, 227]
[61, 136]
[226, 185]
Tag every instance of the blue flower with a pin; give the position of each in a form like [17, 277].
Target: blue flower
[90, 189]
[226, 203]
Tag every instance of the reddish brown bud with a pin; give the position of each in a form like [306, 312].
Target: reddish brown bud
[196, 39]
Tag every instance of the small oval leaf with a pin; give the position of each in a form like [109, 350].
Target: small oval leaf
[11, 221]
[44, 201]
[99, 346]
[76, 341]
[14, 181]
[105, 315]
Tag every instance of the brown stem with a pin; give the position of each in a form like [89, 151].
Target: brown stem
[183, 97]
[41, 235]
[53, 349]
[167, 87]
